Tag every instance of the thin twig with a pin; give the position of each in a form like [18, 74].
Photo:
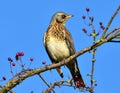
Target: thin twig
[21, 63]
[112, 32]
[109, 23]
[11, 69]
[11, 91]
[44, 80]
[51, 88]
[115, 41]
[93, 63]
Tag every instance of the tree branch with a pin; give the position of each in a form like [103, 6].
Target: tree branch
[29, 72]
[25, 73]
[109, 23]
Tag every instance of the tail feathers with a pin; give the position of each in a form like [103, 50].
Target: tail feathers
[75, 72]
[78, 80]
[59, 71]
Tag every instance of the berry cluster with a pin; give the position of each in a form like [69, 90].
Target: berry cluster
[101, 26]
[11, 61]
[90, 23]
[80, 84]
[19, 54]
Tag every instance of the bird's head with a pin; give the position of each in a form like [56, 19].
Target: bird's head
[60, 18]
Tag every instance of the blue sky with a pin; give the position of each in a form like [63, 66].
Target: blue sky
[22, 26]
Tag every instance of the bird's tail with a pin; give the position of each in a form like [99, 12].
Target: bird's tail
[59, 71]
[75, 72]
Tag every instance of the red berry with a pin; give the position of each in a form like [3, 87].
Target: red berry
[100, 23]
[31, 59]
[78, 84]
[87, 9]
[84, 30]
[83, 17]
[81, 83]
[76, 77]
[43, 62]
[17, 54]
[9, 59]
[16, 57]
[13, 64]
[95, 84]
[22, 53]
[4, 78]
[102, 27]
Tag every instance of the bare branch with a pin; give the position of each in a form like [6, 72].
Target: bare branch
[113, 31]
[46, 83]
[28, 73]
[11, 91]
[109, 23]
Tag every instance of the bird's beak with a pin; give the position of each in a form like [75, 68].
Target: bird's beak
[69, 16]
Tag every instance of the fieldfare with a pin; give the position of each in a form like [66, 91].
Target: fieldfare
[59, 45]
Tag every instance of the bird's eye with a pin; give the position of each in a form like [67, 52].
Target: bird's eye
[63, 16]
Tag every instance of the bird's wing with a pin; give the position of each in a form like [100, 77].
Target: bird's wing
[73, 66]
[69, 42]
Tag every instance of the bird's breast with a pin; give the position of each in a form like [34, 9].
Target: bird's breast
[58, 49]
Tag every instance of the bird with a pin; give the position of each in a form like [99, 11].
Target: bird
[59, 45]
